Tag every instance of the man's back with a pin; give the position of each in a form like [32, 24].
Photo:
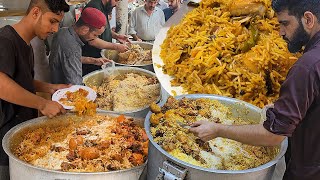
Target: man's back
[65, 57]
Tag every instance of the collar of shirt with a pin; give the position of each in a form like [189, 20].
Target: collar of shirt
[313, 42]
[144, 10]
[76, 36]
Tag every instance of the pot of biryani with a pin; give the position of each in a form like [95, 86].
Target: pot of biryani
[101, 146]
[178, 152]
[138, 55]
[124, 90]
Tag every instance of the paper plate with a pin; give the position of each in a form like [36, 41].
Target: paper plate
[61, 93]
[156, 59]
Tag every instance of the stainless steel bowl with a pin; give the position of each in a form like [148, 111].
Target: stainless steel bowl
[175, 168]
[20, 170]
[113, 55]
[95, 79]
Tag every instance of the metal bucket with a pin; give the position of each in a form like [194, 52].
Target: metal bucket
[113, 55]
[20, 170]
[173, 168]
[95, 79]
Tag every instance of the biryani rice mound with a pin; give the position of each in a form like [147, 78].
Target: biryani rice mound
[230, 48]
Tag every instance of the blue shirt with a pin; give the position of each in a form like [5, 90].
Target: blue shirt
[167, 13]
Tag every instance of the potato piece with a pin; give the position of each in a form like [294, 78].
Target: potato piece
[155, 108]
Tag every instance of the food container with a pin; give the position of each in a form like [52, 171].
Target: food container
[95, 79]
[113, 55]
[20, 170]
[173, 168]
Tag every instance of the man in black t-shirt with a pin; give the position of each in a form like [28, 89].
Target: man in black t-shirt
[18, 101]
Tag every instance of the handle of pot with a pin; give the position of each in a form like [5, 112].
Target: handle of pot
[171, 171]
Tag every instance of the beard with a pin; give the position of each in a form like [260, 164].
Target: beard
[300, 38]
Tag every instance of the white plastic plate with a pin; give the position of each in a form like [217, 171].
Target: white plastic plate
[61, 93]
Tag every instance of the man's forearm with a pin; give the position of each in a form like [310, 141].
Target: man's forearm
[42, 86]
[86, 60]
[250, 134]
[11, 92]
[114, 35]
[101, 44]
[135, 37]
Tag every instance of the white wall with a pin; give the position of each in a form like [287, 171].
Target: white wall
[15, 4]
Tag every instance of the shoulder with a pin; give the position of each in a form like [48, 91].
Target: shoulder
[310, 59]
[63, 37]
[7, 41]
[159, 11]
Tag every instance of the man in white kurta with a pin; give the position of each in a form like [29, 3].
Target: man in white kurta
[146, 21]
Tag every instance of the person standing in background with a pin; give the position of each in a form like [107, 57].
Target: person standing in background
[146, 21]
[174, 6]
[162, 5]
[18, 101]
[93, 49]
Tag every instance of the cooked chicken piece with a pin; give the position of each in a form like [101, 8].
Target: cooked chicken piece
[248, 7]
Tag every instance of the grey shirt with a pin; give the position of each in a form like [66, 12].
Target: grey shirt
[65, 58]
[144, 26]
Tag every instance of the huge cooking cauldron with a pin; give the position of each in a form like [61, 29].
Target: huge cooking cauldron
[161, 164]
[20, 170]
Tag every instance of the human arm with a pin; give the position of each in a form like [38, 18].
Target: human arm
[95, 61]
[121, 38]
[296, 96]
[101, 44]
[249, 134]
[47, 87]
[11, 92]
[132, 27]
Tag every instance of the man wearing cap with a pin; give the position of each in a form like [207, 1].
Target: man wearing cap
[93, 49]
[146, 21]
[66, 57]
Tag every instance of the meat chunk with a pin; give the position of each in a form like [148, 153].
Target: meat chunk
[248, 7]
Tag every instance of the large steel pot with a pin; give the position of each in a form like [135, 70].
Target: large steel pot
[113, 55]
[20, 170]
[173, 168]
[95, 79]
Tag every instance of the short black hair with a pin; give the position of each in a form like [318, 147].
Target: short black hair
[297, 7]
[55, 6]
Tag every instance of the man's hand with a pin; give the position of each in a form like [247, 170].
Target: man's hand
[100, 61]
[51, 109]
[54, 87]
[123, 39]
[205, 130]
[121, 47]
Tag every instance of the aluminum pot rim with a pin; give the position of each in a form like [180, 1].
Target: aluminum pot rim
[283, 146]
[102, 53]
[134, 69]
[28, 123]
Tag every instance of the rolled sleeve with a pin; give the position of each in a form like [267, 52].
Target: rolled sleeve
[296, 96]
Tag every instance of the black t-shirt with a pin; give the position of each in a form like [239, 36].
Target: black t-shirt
[16, 61]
